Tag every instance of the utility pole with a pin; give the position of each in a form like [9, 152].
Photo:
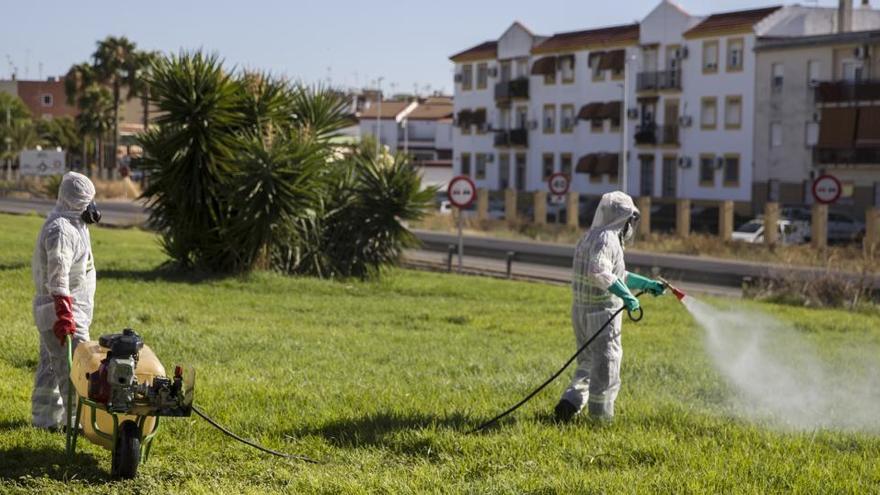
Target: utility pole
[379, 118]
[8, 141]
[624, 161]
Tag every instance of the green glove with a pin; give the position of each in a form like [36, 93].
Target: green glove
[638, 282]
[619, 289]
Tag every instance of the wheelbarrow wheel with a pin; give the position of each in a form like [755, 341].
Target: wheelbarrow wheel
[127, 451]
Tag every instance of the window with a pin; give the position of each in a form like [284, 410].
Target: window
[47, 100]
[481, 159]
[522, 67]
[520, 172]
[504, 171]
[466, 164]
[465, 125]
[595, 60]
[707, 170]
[549, 124]
[566, 67]
[646, 175]
[775, 134]
[852, 71]
[597, 125]
[522, 114]
[482, 75]
[708, 113]
[467, 77]
[565, 164]
[550, 78]
[567, 119]
[710, 57]
[731, 170]
[812, 134]
[733, 112]
[778, 70]
[735, 54]
[813, 72]
[547, 166]
[481, 128]
[614, 124]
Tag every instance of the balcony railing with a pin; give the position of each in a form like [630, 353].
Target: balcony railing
[653, 134]
[843, 91]
[512, 137]
[513, 89]
[861, 156]
[657, 80]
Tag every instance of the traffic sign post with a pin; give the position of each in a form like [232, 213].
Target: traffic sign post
[461, 191]
[826, 189]
[558, 184]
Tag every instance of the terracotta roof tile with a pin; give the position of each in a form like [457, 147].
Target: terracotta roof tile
[488, 49]
[612, 35]
[431, 111]
[390, 109]
[729, 21]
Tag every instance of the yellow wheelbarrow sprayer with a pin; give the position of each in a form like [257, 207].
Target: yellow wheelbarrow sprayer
[121, 391]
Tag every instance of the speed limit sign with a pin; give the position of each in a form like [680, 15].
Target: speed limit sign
[461, 191]
[558, 183]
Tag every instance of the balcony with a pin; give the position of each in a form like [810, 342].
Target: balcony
[511, 90]
[512, 137]
[846, 91]
[652, 134]
[851, 156]
[658, 80]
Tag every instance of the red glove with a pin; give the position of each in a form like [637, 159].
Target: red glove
[64, 325]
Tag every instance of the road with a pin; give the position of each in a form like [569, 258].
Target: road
[531, 260]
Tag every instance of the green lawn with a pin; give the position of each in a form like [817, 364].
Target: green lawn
[381, 380]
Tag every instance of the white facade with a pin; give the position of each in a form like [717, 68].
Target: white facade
[690, 103]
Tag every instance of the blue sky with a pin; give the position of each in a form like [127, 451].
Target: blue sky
[351, 42]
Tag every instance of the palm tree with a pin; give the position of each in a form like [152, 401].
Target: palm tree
[78, 78]
[95, 117]
[59, 132]
[16, 131]
[140, 80]
[116, 66]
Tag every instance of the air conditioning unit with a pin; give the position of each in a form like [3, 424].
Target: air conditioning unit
[458, 78]
[533, 124]
[861, 51]
[685, 121]
[684, 162]
[813, 83]
[490, 158]
[493, 71]
[632, 113]
[681, 53]
[719, 162]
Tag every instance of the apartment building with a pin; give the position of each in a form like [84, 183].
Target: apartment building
[681, 86]
[45, 99]
[818, 114]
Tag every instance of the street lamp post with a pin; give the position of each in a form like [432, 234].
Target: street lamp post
[624, 159]
[379, 118]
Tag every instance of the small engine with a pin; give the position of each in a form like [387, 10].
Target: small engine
[116, 385]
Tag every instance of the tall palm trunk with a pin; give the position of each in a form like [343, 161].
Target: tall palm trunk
[115, 128]
[145, 100]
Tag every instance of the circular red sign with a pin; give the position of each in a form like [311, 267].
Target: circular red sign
[826, 189]
[558, 183]
[461, 191]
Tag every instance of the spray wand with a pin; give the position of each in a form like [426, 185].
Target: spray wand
[678, 293]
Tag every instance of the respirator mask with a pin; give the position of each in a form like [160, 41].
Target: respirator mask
[629, 229]
[91, 214]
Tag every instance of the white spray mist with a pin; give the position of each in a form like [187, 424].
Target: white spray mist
[779, 376]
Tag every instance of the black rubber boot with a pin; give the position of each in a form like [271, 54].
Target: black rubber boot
[565, 411]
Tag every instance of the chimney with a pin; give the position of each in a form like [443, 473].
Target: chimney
[844, 16]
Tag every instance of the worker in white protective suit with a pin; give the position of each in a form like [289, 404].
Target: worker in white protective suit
[600, 286]
[64, 277]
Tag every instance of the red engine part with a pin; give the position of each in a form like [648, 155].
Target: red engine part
[99, 386]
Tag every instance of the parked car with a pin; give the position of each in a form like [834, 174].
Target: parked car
[789, 231]
[844, 228]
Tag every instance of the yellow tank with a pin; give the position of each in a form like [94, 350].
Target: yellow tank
[86, 359]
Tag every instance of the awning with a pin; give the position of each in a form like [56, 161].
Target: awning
[868, 129]
[591, 111]
[613, 60]
[544, 66]
[478, 117]
[838, 128]
[594, 58]
[611, 110]
[647, 100]
[608, 164]
[587, 164]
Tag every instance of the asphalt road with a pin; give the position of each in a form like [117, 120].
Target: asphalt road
[115, 213]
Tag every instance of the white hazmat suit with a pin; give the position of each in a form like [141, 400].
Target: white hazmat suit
[598, 264]
[64, 278]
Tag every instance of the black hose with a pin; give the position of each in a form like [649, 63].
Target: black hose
[559, 372]
[252, 444]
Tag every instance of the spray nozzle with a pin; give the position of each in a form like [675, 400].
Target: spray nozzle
[678, 293]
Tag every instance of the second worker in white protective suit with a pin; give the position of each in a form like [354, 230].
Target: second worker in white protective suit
[64, 278]
[600, 287]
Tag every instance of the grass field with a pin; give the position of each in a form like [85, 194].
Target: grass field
[381, 380]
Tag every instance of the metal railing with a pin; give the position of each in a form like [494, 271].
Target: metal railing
[512, 137]
[862, 156]
[652, 134]
[843, 91]
[656, 80]
[509, 90]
